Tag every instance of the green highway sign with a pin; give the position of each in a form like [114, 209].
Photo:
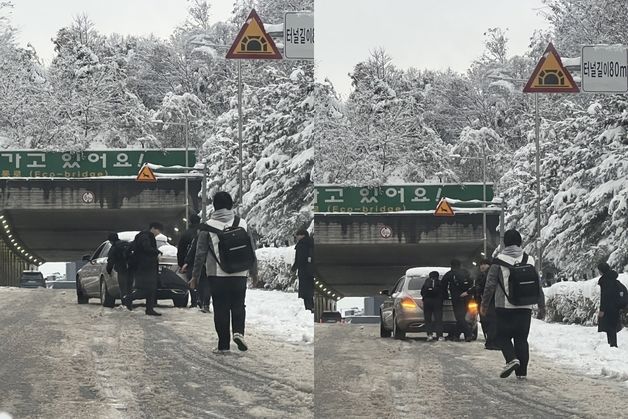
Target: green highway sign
[389, 198]
[92, 163]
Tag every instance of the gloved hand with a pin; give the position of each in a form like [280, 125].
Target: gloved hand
[541, 313]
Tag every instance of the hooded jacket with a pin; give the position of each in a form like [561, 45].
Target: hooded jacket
[219, 219]
[499, 274]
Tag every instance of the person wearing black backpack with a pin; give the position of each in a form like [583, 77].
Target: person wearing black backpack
[610, 303]
[116, 259]
[227, 251]
[432, 294]
[515, 285]
[458, 282]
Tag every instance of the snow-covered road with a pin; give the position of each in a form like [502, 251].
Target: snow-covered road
[60, 359]
[359, 374]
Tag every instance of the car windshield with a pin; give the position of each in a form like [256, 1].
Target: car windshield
[416, 282]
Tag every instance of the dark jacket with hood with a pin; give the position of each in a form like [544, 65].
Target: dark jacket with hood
[609, 302]
[147, 257]
[432, 289]
[456, 282]
[116, 259]
[186, 239]
[303, 263]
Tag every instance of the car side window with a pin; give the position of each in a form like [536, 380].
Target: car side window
[96, 253]
[105, 250]
[398, 285]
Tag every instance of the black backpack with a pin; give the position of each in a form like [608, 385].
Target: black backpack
[123, 251]
[129, 254]
[524, 287]
[623, 295]
[235, 249]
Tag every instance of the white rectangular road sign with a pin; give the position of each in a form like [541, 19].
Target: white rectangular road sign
[298, 35]
[604, 69]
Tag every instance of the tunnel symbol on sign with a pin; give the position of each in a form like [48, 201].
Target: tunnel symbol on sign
[551, 78]
[253, 42]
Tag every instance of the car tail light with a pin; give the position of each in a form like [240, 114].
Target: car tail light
[408, 303]
[472, 307]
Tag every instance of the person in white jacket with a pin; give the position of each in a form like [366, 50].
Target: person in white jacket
[513, 321]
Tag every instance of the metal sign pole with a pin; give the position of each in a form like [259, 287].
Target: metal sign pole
[240, 176]
[484, 192]
[537, 129]
[204, 192]
[187, 164]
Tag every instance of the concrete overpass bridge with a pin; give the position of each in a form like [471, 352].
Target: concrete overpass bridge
[54, 219]
[366, 238]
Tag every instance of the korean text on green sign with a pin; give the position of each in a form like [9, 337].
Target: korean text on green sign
[35, 163]
[424, 197]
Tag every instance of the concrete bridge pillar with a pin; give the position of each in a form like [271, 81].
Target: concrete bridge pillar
[11, 266]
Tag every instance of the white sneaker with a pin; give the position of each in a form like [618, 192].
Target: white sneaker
[221, 351]
[522, 377]
[430, 338]
[440, 339]
[509, 368]
[239, 340]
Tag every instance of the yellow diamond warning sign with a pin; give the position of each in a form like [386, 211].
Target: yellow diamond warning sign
[444, 209]
[550, 76]
[253, 43]
[146, 175]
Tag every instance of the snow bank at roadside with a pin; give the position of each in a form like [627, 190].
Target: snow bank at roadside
[581, 348]
[280, 314]
[576, 302]
[274, 265]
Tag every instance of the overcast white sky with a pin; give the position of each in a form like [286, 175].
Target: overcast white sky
[39, 20]
[416, 33]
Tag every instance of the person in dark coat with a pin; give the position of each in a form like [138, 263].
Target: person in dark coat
[146, 266]
[204, 289]
[458, 282]
[182, 250]
[432, 294]
[609, 317]
[116, 259]
[488, 320]
[303, 264]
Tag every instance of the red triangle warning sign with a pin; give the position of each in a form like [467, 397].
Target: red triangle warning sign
[550, 76]
[444, 209]
[146, 175]
[253, 43]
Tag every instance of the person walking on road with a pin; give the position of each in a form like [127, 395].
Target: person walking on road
[610, 301]
[146, 266]
[432, 294]
[116, 259]
[204, 291]
[489, 326]
[513, 268]
[458, 282]
[303, 264]
[228, 288]
[182, 250]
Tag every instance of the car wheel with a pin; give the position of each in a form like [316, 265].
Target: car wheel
[180, 301]
[397, 333]
[81, 297]
[383, 332]
[105, 298]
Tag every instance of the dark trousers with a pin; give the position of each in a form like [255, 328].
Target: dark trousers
[611, 338]
[489, 327]
[460, 312]
[513, 327]
[308, 302]
[148, 293]
[229, 294]
[433, 310]
[204, 291]
[125, 282]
